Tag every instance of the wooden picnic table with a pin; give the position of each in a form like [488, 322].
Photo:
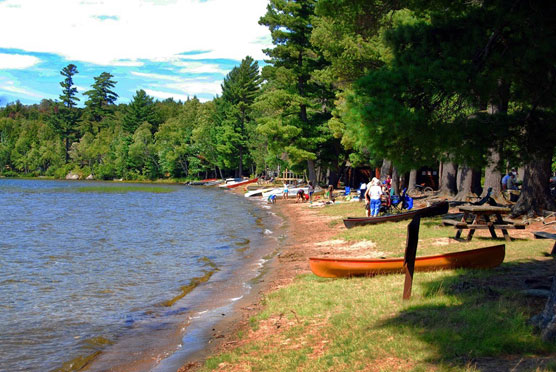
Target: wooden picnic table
[484, 217]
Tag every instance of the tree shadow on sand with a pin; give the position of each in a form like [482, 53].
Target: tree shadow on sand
[485, 327]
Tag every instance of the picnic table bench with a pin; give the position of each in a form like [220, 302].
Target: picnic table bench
[483, 217]
[546, 235]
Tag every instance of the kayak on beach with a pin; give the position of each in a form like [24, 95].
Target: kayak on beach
[482, 258]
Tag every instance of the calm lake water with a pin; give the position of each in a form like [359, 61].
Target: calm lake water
[85, 272]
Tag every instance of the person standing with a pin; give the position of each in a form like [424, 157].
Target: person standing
[504, 182]
[388, 183]
[511, 184]
[374, 192]
[285, 192]
[362, 190]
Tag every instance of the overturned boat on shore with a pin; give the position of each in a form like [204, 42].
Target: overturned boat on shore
[434, 210]
[482, 258]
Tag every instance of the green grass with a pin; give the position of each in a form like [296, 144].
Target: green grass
[454, 319]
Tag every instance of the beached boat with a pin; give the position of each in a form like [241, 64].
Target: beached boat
[278, 191]
[230, 181]
[214, 183]
[292, 192]
[434, 210]
[482, 258]
[204, 182]
[233, 184]
[258, 192]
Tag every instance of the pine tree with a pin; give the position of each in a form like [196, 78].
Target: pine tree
[68, 90]
[141, 109]
[293, 61]
[101, 97]
[239, 89]
[66, 116]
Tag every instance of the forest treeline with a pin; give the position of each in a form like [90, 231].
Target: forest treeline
[468, 84]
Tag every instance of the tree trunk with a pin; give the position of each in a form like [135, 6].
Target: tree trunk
[386, 169]
[476, 186]
[535, 191]
[492, 175]
[395, 181]
[240, 168]
[311, 170]
[448, 179]
[464, 183]
[403, 181]
[412, 181]
[498, 104]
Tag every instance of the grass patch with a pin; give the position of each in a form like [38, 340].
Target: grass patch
[454, 320]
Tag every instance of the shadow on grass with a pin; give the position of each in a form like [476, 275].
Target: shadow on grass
[488, 318]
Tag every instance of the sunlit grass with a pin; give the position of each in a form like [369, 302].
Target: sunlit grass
[453, 320]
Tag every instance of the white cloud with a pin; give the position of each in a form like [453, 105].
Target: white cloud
[130, 30]
[82, 89]
[17, 61]
[155, 76]
[11, 86]
[164, 95]
[188, 86]
[127, 63]
[200, 68]
[197, 86]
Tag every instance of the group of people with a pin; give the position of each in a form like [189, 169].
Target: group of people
[300, 197]
[509, 181]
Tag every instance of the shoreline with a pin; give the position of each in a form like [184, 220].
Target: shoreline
[206, 320]
[308, 234]
[305, 231]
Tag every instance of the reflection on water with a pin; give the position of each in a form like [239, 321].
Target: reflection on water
[78, 268]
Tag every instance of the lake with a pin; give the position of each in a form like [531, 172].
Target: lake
[120, 274]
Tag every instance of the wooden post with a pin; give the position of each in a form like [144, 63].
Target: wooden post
[410, 254]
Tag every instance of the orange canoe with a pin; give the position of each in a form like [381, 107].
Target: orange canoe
[482, 258]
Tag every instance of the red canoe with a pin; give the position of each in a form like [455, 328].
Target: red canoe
[482, 258]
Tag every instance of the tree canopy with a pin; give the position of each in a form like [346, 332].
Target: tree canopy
[346, 84]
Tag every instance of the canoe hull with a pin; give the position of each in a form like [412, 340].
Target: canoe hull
[242, 183]
[433, 210]
[482, 258]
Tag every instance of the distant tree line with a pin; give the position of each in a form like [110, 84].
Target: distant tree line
[470, 85]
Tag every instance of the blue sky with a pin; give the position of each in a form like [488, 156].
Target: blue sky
[169, 48]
